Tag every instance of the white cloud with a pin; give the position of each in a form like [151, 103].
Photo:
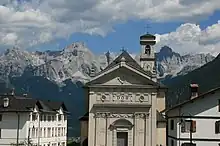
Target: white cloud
[189, 38]
[34, 22]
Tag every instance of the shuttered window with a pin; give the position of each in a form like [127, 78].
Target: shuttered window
[219, 105]
[217, 127]
[172, 124]
[193, 126]
[185, 126]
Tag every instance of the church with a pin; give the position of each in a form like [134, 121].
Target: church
[124, 102]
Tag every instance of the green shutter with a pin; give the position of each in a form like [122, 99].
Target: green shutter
[216, 127]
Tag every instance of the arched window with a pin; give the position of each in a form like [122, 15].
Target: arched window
[147, 49]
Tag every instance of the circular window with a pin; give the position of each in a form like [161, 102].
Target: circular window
[103, 97]
[141, 98]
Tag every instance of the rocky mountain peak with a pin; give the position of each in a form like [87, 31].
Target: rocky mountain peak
[76, 46]
[166, 53]
[166, 50]
[173, 64]
[77, 59]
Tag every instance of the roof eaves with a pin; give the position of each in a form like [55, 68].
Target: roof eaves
[192, 100]
[137, 67]
[106, 69]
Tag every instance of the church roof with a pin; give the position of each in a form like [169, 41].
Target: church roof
[85, 117]
[129, 61]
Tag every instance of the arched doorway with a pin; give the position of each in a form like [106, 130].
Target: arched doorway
[121, 135]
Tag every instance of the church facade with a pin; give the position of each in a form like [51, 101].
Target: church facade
[124, 101]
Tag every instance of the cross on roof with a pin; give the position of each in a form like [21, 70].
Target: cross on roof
[123, 49]
[147, 28]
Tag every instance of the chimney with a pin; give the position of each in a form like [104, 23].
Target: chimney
[194, 90]
[6, 102]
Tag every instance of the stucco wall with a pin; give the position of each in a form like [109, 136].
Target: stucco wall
[9, 126]
[206, 113]
[161, 134]
[161, 101]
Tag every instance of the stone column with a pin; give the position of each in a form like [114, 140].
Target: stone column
[114, 139]
[106, 128]
[130, 138]
[134, 130]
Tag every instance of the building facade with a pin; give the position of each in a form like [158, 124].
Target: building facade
[124, 101]
[26, 121]
[196, 121]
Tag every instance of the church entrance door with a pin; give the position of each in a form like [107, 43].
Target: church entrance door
[122, 139]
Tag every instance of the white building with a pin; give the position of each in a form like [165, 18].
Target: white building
[124, 101]
[202, 114]
[25, 120]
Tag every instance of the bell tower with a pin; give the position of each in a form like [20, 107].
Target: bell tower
[147, 58]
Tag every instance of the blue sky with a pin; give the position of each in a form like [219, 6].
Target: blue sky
[186, 26]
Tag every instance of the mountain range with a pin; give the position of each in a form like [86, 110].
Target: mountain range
[77, 62]
[59, 75]
[207, 77]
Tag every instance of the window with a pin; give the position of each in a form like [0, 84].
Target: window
[53, 132]
[49, 132]
[185, 126]
[63, 143]
[41, 132]
[217, 127]
[172, 142]
[172, 124]
[36, 132]
[49, 118]
[0, 133]
[59, 132]
[59, 117]
[0, 117]
[41, 117]
[34, 116]
[44, 132]
[56, 131]
[188, 144]
[219, 105]
[33, 132]
[45, 118]
[53, 118]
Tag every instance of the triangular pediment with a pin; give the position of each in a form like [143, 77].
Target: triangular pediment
[124, 70]
[123, 76]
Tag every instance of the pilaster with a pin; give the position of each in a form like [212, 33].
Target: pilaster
[154, 119]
